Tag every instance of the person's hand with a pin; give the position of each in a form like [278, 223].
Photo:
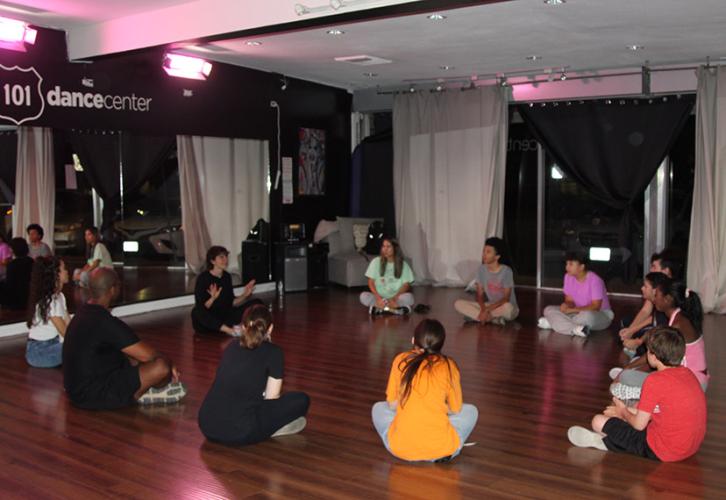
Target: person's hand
[380, 304]
[564, 308]
[625, 333]
[174, 374]
[632, 344]
[392, 303]
[214, 291]
[484, 315]
[249, 288]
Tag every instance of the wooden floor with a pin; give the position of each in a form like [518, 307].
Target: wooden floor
[529, 386]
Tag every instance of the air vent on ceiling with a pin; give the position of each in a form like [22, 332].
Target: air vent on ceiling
[363, 60]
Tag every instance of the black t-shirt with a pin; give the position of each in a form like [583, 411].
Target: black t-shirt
[92, 348]
[240, 381]
[226, 296]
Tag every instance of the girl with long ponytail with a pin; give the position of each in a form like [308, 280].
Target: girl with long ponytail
[245, 404]
[424, 417]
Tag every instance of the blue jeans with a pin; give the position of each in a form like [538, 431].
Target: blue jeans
[463, 422]
[44, 353]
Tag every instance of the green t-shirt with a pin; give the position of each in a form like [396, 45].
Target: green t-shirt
[388, 285]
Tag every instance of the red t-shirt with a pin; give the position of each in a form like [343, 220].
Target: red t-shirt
[677, 405]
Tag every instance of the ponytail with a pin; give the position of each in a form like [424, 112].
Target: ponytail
[429, 336]
[686, 300]
[256, 323]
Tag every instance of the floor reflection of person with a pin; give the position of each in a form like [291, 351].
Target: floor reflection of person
[216, 309]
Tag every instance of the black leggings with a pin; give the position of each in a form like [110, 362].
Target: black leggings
[270, 416]
[204, 321]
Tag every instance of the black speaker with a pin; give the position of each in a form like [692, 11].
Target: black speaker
[255, 261]
[318, 265]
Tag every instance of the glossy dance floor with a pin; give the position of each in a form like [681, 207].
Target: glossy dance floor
[529, 386]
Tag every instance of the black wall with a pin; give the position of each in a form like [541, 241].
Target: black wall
[232, 102]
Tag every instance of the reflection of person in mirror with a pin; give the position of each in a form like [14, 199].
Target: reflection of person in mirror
[35, 242]
[424, 417]
[216, 309]
[97, 256]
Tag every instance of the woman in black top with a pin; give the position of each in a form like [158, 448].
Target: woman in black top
[216, 309]
[244, 405]
[16, 288]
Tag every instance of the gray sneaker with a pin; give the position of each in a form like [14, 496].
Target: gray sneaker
[293, 427]
[169, 394]
[585, 438]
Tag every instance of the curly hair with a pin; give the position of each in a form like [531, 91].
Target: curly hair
[43, 285]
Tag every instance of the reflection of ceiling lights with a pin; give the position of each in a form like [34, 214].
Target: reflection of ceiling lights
[437, 17]
[555, 2]
[635, 48]
[446, 68]
[253, 43]
[335, 32]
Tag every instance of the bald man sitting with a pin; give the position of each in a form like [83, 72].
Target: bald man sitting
[105, 365]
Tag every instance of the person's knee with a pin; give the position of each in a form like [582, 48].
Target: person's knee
[598, 422]
[549, 310]
[365, 298]
[471, 412]
[302, 401]
[158, 370]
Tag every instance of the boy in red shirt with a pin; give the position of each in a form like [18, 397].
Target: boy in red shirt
[669, 422]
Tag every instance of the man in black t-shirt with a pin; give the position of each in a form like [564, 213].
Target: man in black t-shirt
[105, 365]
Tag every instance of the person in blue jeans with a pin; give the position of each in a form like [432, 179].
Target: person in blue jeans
[424, 417]
[48, 315]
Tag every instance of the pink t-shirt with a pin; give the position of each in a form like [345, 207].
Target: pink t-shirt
[583, 293]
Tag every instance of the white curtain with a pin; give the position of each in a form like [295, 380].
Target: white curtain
[707, 240]
[223, 193]
[35, 182]
[449, 159]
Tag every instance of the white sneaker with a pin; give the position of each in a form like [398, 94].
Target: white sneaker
[585, 438]
[614, 372]
[293, 427]
[544, 324]
[169, 394]
[581, 331]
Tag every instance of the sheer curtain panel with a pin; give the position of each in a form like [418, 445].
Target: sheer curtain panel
[449, 151]
[35, 182]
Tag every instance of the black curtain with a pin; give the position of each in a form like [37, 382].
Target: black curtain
[376, 179]
[8, 164]
[611, 147]
[100, 154]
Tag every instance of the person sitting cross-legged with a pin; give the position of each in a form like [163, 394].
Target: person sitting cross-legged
[105, 365]
[495, 282]
[389, 281]
[669, 422]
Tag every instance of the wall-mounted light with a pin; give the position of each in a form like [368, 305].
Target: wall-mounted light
[600, 254]
[556, 173]
[14, 34]
[181, 66]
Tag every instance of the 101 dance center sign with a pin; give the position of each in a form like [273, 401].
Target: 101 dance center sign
[22, 97]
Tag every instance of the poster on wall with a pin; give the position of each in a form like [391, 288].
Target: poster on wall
[311, 161]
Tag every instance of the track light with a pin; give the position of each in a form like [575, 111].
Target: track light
[563, 76]
[181, 66]
[412, 89]
[14, 34]
[283, 83]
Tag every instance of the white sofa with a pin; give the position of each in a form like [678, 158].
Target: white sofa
[347, 266]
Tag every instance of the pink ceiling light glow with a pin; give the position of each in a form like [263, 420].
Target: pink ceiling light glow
[187, 66]
[15, 34]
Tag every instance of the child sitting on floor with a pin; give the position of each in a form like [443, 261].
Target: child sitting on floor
[423, 417]
[669, 423]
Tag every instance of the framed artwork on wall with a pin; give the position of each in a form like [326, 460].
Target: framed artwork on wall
[311, 162]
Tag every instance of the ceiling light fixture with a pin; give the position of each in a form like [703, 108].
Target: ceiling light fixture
[635, 48]
[446, 68]
[439, 88]
[181, 66]
[335, 32]
[253, 43]
[370, 75]
[283, 83]
[436, 17]
[15, 34]
[555, 2]
[336, 4]
[533, 58]
[412, 89]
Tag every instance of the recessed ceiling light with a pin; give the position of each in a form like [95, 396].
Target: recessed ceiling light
[555, 2]
[533, 58]
[335, 32]
[635, 47]
[370, 75]
[436, 17]
[253, 43]
[446, 68]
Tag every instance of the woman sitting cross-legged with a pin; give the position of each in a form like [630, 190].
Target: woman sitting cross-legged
[586, 306]
[423, 417]
[216, 309]
[47, 313]
[389, 281]
[245, 404]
